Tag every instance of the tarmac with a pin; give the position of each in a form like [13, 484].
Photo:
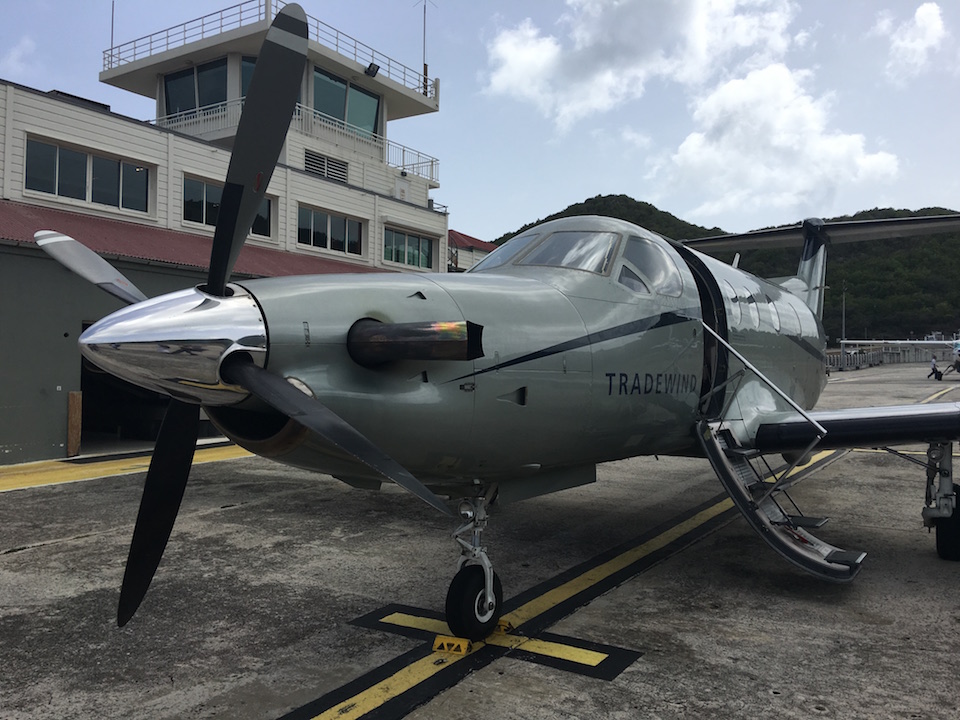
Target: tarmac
[288, 594]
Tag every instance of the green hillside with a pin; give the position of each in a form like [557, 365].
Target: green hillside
[895, 288]
[626, 208]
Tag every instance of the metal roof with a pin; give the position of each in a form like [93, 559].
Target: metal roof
[156, 245]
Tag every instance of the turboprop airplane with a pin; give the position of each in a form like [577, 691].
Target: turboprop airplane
[580, 341]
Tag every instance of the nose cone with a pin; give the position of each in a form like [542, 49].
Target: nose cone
[174, 344]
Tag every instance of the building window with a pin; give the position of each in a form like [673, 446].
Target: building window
[334, 232]
[247, 64]
[195, 87]
[84, 176]
[340, 100]
[407, 248]
[201, 204]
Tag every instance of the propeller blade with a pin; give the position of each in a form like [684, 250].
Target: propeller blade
[267, 111]
[87, 264]
[162, 493]
[311, 413]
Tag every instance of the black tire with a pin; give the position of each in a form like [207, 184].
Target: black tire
[465, 615]
[948, 536]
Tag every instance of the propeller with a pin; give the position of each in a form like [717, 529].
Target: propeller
[268, 108]
[314, 415]
[88, 265]
[263, 125]
[160, 502]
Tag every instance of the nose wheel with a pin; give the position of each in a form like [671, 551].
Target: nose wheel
[475, 597]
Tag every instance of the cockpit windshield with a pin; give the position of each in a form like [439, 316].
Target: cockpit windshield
[577, 249]
[505, 253]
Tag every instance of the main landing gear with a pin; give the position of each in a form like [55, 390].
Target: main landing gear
[475, 598]
[941, 501]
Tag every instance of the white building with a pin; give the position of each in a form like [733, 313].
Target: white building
[146, 194]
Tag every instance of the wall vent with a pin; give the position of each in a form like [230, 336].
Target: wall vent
[324, 166]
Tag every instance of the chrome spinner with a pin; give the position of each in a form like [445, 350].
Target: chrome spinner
[174, 344]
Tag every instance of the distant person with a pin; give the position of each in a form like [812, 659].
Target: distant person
[933, 368]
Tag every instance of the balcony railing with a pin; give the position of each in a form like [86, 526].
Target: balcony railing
[253, 11]
[216, 118]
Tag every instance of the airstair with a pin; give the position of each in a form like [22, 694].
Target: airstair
[759, 496]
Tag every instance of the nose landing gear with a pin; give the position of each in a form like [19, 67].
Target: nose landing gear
[475, 597]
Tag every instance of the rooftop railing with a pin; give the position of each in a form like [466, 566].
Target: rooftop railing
[253, 11]
[312, 123]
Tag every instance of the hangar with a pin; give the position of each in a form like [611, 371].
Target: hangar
[145, 195]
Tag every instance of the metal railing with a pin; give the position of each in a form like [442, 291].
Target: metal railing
[253, 11]
[312, 123]
[856, 359]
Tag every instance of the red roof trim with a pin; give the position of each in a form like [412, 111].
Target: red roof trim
[460, 240]
[117, 238]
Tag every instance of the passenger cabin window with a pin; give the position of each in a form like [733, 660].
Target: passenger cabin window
[734, 302]
[575, 249]
[505, 253]
[653, 262]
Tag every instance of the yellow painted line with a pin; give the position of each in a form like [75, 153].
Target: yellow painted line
[504, 640]
[52, 472]
[389, 688]
[564, 592]
[937, 395]
[547, 648]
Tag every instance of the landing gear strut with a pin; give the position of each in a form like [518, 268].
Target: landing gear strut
[941, 501]
[475, 598]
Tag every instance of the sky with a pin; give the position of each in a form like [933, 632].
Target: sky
[738, 114]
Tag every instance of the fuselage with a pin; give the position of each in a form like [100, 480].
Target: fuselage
[593, 349]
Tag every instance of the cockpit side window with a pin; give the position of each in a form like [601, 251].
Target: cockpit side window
[505, 253]
[654, 262]
[575, 249]
[631, 280]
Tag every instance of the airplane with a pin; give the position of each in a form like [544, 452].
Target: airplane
[580, 341]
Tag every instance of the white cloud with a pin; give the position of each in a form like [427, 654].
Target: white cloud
[912, 42]
[613, 48]
[764, 142]
[15, 64]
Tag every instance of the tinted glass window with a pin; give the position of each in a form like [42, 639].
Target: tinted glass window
[212, 82]
[192, 200]
[41, 167]
[319, 229]
[362, 109]
[179, 91]
[106, 181]
[304, 225]
[576, 249]
[354, 230]
[212, 204]
[329, 94]
[72, 174]
[261, 223]
[338, 233]
[246, 72]
[653, 261]
[136, 184]
[505, 253]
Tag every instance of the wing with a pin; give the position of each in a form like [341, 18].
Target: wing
[861, 427]
[833, 232]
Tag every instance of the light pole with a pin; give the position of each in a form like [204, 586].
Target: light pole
[843, 327]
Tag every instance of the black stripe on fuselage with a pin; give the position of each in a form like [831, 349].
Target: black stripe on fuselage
[805, 345]
[631, 328]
